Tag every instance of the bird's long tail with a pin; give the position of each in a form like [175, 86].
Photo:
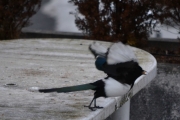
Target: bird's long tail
[69, 89]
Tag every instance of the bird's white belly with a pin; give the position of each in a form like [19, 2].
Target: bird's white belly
[114, 88]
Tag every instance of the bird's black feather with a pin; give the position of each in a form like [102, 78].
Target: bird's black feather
[99, 90]
[125, 73]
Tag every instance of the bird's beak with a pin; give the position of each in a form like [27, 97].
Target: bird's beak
[144, 72]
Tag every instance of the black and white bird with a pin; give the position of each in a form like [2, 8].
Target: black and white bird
[119, 63]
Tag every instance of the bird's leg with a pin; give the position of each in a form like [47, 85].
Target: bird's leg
[89, 106]
[95, 107]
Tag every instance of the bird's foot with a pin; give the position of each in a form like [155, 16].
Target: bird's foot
[93, 108]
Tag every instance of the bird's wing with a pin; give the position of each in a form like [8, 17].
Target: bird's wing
[120, 69]
[97, 49]
[119, 53]
[126, 72]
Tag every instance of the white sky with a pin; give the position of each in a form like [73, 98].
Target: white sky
[59, 10]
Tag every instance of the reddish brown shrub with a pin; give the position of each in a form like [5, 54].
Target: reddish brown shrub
[14, 15]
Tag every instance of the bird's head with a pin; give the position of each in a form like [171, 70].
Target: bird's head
[99, 62]
[136, 72]
[139, 71]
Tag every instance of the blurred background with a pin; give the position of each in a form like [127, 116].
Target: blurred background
[160, 99]
[54, 15]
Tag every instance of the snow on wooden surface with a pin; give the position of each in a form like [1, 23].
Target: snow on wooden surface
[48, 63]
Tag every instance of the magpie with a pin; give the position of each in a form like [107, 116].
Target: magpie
[119, 63]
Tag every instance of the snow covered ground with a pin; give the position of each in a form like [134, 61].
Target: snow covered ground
[53, 63]
[166, 32]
